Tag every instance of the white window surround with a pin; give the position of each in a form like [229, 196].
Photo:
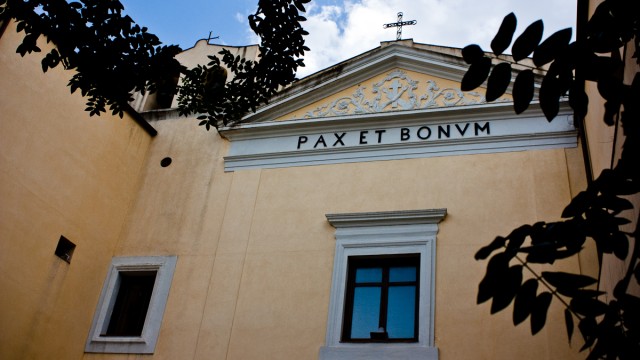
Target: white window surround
[384, 233]
[146, 342]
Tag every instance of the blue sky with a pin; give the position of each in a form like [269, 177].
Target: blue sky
[342, 29]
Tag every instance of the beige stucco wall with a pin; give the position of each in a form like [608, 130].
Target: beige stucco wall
[605, 147]
[255, 251]
[61, 173]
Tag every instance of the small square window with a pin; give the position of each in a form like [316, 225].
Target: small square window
[131, 306]
[64, 249]
[132, 303]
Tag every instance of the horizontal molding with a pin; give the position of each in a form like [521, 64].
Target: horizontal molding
[488, 128]
[402, 151]
[386, 218]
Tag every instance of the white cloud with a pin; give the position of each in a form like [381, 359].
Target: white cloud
[340, 30]
[241, 18]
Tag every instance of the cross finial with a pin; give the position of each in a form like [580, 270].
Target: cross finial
[399, 25]
[211, 38]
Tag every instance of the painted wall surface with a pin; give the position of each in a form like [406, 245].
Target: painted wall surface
[605, 147]
[61, 173]
[255, 251]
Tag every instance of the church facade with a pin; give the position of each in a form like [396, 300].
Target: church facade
[340, 221]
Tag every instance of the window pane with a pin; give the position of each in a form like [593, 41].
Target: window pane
[366, 312]
[364, 275]
[405, 273]
[401, 312]
[132, 303]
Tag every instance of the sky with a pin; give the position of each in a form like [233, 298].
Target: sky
[340, 30]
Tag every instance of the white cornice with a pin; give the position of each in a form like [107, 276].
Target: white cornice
[387, 218]
[489, 128]
[493, 111]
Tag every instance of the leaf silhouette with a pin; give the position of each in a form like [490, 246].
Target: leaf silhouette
[472, 53]
[503, 38]
[523, 304]
[539, 312]
[568, 320]
[550, 97]
[561, 279]
[498, 81]
[527, 41]
[552, 46]
[523, 91]
[476, 75]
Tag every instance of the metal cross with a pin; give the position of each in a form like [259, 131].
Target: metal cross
[211, 38]
[399, 25]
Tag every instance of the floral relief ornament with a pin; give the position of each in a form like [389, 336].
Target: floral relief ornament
[397, 91]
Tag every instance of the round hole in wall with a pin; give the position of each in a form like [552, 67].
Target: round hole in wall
[165, 162]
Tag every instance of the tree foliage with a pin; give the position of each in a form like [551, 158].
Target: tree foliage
[112, 57]
[204, 92]
[611, 330]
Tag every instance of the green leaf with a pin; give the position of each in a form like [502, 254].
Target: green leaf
[472, 53]
[539, 312]
[476, 75]
[523, 91]
[551, 47]
[561, 279]
[523, 304]
[568, 320]
[503, 38]
[498, 81]
[527, 41]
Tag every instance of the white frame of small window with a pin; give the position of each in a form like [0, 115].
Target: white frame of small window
[146, 342]
[384, 233]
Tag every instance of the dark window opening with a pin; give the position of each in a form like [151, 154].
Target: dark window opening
[65, 248]
[382, 299]
[132, 302]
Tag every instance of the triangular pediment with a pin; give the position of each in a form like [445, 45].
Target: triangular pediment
[400, 101]
[401, 76]
[396, 90]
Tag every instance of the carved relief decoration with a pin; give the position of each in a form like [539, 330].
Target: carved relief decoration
[397, 91]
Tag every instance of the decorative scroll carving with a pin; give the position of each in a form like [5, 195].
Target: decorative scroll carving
[397, 91]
